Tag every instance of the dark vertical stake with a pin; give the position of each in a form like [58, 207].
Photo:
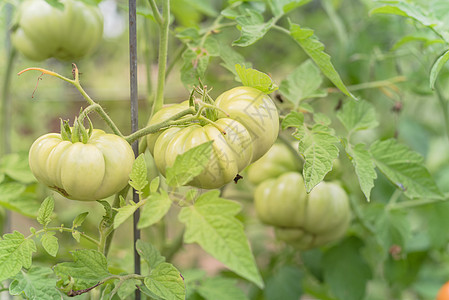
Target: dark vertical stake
[134, 119]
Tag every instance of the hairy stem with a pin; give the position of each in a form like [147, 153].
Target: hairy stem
[5, 105]
[65, 229]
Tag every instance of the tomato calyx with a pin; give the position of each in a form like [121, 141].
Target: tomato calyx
[77, 133]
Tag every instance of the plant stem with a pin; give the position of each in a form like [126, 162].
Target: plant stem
[156, 127]
[5, 106]
[371, 85]
[162, 59]
[444, 107]
[65, 229]
[413, 203]
[156, 13]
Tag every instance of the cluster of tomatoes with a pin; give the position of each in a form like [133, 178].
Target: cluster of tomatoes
[304, 220]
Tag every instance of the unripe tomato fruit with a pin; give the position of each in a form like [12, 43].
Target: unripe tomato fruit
[78, 171]
[42, 31]
[231, 152]
[301, 219]
[277, 161]
[443, 293]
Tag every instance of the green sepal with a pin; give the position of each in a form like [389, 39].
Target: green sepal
[66, 133]
[75, 131]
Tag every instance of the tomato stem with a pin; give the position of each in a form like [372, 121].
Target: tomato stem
[65, 229]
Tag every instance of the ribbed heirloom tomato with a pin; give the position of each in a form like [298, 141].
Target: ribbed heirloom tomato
[277, 161]
[42, 31]
[251, 129]
[301, 219]
[90, 171]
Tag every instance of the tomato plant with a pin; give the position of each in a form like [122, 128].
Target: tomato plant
[67, 33]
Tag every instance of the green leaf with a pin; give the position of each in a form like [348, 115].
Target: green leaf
[109, 213]
[78, 221]
[2, 177]
[15, 253]
[293, 119]
[123, 213]
[283, 284]
[256, 79]
[315, 50]
[345, 258]
[10, 190]
[138, 177]
[88, 268]
[412, 11]
[436, 68]
[204, 6]
[56, 4]
[435, 222]
[166, 282]
[392, 228]
[231, 57]
[25, 203]
[427, 41]
[194, 66]
[364, 168]
[16, 166]
[45, 211]
[189, 165]
[50, 243]
[154, 185]
[37, 283]
[281, 7]
[219, 288]
[303, 83]
[404, 168]
[211, 223]
[149, 253]
[318, 146]
[357, 116]
[252, 27]
[76, 235]
[127, 288]
[156, 207]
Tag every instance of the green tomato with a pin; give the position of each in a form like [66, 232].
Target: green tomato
[256, 111]
[42, 31]
[88, 172]
[231, 153]
[305, 220]
[277, 161]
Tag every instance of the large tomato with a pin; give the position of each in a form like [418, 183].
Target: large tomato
[305, 220]
[233, 151]
[277, 161]
[42, 31]
[443, 293]
[256, 111]
[78, 171]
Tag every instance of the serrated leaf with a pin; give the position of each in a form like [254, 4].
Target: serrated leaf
[15, 253]
[127, 288]
[293, 119]
[156, 207]
[345, 257]
[194, 66]
[109, 214]
[302, 83]
[149, 253]
[189, 165]
[219, 288]
[410, 10]
[45, 211]
[50, 243]
[318, 146]
[166, 282]
[404, 168]
[35, 284]
[138, 176]
[364, 168]
[357, 116]
[436, 68]
[78, 221]
[315, 50]
[256, 79]
[123, 213]
[252, 27]
[211, 223]
[281, 7]
[283, 284]
[76, 235]
[88, 268]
